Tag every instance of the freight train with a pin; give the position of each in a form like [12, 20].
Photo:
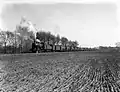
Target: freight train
[41, 46]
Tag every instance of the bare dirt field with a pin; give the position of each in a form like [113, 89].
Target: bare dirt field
[60, 72]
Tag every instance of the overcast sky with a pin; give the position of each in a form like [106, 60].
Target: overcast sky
[90, 24]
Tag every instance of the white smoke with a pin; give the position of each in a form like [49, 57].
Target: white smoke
[25, 23]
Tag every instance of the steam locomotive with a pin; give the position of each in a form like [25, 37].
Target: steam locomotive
[48, 46]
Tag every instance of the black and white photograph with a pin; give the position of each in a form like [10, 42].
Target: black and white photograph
[59, 46]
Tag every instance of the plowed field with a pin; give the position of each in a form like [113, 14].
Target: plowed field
[60, 72]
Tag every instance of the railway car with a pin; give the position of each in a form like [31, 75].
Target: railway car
[47, 47]
[72, 48]
[67, 48]
[63, 48]
[41, 46]
[57, 47]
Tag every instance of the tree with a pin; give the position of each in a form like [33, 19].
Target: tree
[41, 36]
[70, 43]
[57, 38]
[64, 41]
[6, 39]
[11, 40]
[53, 38]
[46, 36]
[75, 43]
[3, 40]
